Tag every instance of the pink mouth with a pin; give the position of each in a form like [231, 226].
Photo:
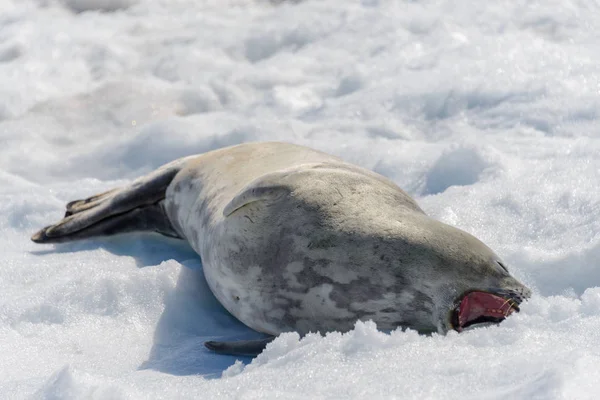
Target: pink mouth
[481, 307]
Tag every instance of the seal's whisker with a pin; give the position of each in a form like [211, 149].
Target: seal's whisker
[508, 310]
[506, 302]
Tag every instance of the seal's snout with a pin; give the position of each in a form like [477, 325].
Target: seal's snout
[476, 308]
[516, 295]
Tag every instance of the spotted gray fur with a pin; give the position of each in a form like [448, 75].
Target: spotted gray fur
[292, 239]
[297, 240]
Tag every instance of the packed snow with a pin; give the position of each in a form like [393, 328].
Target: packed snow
[486, 112]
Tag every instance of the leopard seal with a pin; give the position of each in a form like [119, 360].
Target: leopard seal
[294, 239]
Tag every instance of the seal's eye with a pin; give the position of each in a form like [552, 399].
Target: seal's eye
[502, 266]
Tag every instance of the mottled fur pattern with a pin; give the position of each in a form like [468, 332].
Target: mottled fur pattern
[297, 240]
[292, 239]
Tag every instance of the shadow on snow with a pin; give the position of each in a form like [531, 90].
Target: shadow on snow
[192, 315]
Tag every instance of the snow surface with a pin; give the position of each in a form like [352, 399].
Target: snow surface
[486, 112]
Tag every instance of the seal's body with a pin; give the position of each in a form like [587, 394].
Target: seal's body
[293, 239]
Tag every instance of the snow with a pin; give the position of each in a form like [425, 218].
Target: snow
[486, 112]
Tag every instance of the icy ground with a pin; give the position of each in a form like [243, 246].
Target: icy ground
[487, 112]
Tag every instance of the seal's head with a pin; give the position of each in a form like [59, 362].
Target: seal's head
[462, 281]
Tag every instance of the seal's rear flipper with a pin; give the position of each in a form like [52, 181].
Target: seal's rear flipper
[137, 207]
[147, 218]
[240, 348]
[76, 206]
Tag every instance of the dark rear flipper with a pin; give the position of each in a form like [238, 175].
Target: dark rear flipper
[137, 207]
[147, 218]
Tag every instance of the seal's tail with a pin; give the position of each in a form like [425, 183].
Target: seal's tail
[137, 207]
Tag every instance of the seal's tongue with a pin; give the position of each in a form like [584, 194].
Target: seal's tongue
[479, 307]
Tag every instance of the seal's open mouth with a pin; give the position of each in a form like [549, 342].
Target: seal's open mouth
[481, 307]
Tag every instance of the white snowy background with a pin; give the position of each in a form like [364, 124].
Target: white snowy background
[486, 111]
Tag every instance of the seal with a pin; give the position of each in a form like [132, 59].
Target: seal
[293, 239]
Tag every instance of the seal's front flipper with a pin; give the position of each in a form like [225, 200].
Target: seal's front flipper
[137, 207]
[249, 348]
